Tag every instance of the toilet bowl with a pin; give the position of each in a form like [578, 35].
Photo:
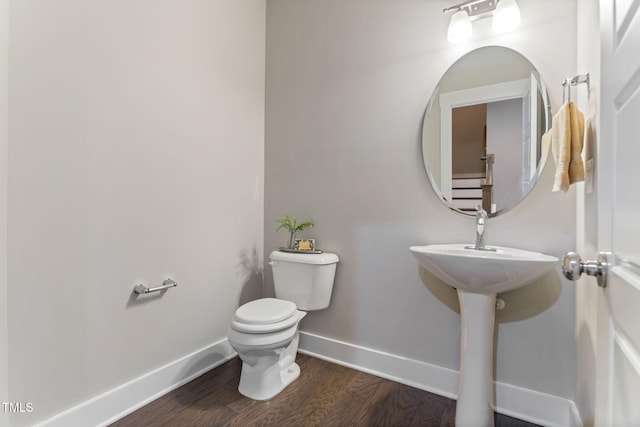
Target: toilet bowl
[264, 332]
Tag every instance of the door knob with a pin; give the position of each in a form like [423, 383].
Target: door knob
[573, 267]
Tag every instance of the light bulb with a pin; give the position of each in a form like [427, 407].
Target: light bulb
[506, 16]
[459, 28]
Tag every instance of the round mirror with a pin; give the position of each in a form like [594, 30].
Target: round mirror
[482, 135]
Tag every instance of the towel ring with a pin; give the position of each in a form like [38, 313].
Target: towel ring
[573, 81]
[566, 90]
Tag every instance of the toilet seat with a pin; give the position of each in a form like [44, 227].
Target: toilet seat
[243, 341]
[265, 315]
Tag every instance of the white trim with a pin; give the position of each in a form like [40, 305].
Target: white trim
[114, 404]
[517, 402]
[536, 407]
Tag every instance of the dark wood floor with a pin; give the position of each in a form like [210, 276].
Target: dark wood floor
[326, 394]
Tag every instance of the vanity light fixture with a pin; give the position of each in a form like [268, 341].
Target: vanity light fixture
[460, 27]
[505, 13]
[506, 17]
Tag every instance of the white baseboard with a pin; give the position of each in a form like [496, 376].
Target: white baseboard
[517, 402]
[536, 407]
[108, 407]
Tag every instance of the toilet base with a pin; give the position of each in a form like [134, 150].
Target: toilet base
[266, 379]
[265, 372]
[264, 387]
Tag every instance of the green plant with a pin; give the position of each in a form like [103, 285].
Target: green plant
[290, 223]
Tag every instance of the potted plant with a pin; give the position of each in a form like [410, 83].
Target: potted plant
[290, 223]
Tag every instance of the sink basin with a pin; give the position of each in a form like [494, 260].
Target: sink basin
[483, 271]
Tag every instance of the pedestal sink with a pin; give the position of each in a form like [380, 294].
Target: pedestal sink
[479, 275]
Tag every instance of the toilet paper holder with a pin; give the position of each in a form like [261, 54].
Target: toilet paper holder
[166, 284]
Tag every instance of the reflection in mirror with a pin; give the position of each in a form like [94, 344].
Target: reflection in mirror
[482, 131]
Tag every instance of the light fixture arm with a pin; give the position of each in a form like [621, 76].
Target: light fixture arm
[474, 8]
[464, 5]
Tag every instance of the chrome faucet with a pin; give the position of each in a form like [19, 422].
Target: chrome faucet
[481, 230]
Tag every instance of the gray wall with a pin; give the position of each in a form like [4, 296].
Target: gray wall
[4, 136]
[504, 139]
[347, 86]
[136, 146]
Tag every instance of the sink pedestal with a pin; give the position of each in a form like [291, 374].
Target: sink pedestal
[474, 407]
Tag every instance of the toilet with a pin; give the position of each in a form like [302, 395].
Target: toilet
[264, 332]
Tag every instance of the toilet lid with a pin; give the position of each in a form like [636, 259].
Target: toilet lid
[265, 311]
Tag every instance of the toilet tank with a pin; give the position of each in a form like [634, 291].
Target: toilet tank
[305, 279]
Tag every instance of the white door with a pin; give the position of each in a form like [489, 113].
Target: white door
[618, 216]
